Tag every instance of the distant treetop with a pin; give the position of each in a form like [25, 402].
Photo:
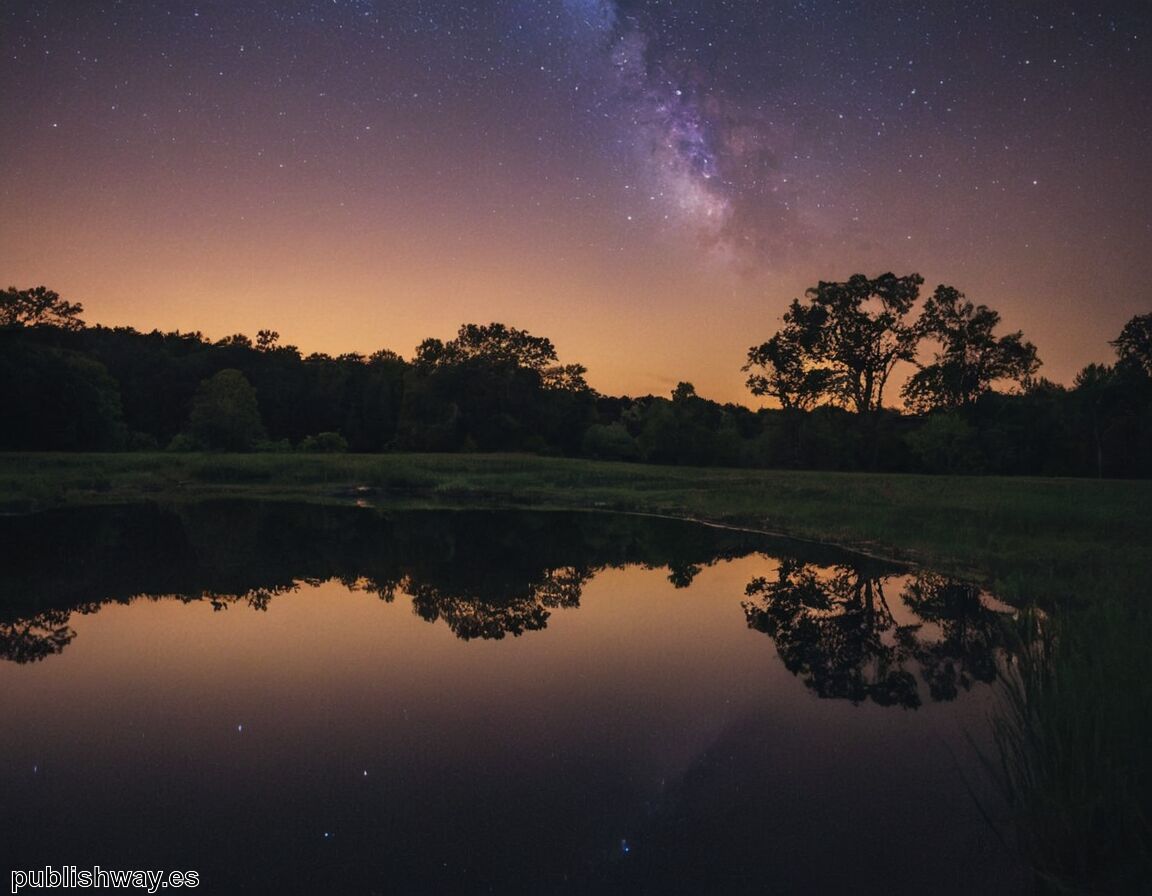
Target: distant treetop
[37, 307]
[492, 344]
[1134, 344]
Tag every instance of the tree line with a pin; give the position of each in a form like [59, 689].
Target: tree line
[974, 403]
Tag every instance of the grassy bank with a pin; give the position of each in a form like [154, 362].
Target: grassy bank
[1031, 539]
[1077, 726]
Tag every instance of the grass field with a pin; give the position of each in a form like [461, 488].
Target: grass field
[1076, 732]
[1043, 540]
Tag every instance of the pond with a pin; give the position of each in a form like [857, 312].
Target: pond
[298, 698]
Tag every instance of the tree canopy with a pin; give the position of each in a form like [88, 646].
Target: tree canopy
[1134, 344]
[38, 306]
[971, 357]
[842, 345]
[493, 387]
[787, 372]
[494, 344]
[853, 333]
[225, 415]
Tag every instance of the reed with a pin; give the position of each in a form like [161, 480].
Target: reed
[1072, 737]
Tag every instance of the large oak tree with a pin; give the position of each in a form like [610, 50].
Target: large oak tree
[842, 343]
[971, 357]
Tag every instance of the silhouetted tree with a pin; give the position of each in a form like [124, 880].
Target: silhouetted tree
[683, 392]
[971, 357]
[566, 378]
[856, 332]
[789, 373]
[56, 400]
[1114, 404]
[494, 388]
[946, 443]
[225, 415]
[1134, 344]
[610, 442]
[38, 306]
[236, 339]
[686, 430]
[494, 344]
[1098, 393]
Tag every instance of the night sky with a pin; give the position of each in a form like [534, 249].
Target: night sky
[646, 183]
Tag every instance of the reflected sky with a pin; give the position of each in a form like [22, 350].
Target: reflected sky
[647, 738]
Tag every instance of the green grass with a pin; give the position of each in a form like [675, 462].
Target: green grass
[1046, 540]
[1076, 725]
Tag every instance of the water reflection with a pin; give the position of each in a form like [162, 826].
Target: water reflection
[485, 574]
[472, 614]
[28, 639]
[374, 707]
[850, 627]
[838, 631]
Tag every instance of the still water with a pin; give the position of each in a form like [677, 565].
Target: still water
[303, 699]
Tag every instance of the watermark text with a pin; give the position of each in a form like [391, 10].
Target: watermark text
[71, 877]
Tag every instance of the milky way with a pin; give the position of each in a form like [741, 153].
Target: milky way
[701, 160]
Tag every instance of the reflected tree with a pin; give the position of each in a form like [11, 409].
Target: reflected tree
[835, 629]
[682, 575]
[485, 574]
[837, 633]
[33, 638]
[972, 634]
[478, 615]
[256, 598]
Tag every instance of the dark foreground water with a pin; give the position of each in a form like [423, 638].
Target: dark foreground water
[295, 699]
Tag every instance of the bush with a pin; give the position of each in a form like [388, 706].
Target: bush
[141, 441]
[610, 442]
[180, 443]
[946, 443]
[325, 442]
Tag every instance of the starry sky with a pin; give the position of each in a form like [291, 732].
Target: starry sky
[646, 182]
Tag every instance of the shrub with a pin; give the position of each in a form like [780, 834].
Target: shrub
[325, 442]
